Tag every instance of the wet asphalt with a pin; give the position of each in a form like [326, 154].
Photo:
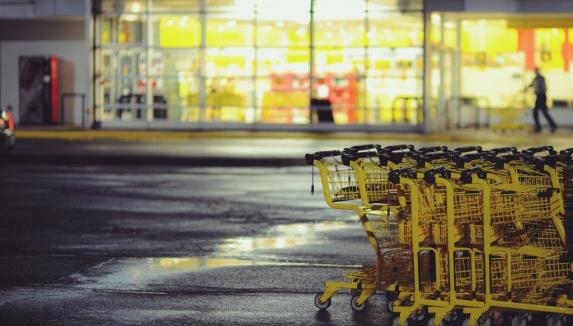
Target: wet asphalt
[132, 245]
[174, 233]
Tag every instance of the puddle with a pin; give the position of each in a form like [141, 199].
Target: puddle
[140, 273]
[280, 237]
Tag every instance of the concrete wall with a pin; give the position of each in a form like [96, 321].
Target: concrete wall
[41, 8]
[36, 29]
[73, 71]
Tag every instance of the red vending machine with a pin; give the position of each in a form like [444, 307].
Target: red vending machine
[39, 90]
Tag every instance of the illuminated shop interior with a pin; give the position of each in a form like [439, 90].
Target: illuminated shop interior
[246, 61]
[502, 54]
[262, 61]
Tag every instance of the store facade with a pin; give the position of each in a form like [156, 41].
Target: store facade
[261, 64]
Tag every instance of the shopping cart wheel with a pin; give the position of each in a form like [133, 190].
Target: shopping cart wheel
[420, 317]
[454, 318]
[521, 319]
[391, 305]
[396, 322]
[354, 304]
[557, 320]
[321, 305]
[485, 320]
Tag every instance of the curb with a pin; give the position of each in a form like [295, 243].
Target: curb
[147, 160]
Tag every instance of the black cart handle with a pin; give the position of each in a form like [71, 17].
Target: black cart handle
[534, 150]
[500, 161]
[347, 157]
[310, 158]
[430, 175]
[432, 149]
[362, 147]
[467, 149]
[395, 175]
[462, 160]
[466, 175]
[401, 147]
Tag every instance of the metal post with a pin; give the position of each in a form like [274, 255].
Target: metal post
[365, 107]
[148, 39]
[92, 36]
[426, 78]
[311, 63]
[202, 63]
[255, 69]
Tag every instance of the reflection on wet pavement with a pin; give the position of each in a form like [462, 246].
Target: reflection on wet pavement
[138, 273]
[280, 237]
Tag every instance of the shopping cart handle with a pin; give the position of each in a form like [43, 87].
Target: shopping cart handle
[385, 158]
[362, 147]
[436, 156]
[541, 162]
[462, 160]
[500, 161]
[395, 175]
[467, 149]
[503, 150]
[310, 158]
[491, 154]
[533, 150]
[466, 175]
[430, 175]
[420, 160]
[401, 147]
[347, 157]
[432, 149]
[565, 156]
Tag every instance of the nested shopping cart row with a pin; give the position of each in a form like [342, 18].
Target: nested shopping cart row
[456, 233]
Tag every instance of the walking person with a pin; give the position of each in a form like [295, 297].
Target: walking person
[540, 88]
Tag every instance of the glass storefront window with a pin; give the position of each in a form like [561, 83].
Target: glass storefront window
[106, 31]
[340, 23]
[130, 30]
[283, 98]
[176, 82]
[249, 61]
[282, 34]
[123, 6]
[229, 99]
[224, 32]
[283, 60]
[176, 6]
[549, 47]
[229, 62]
[393, 30]
[281, 10]
[176, 31]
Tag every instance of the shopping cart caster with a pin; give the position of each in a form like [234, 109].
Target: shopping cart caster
[391, 305]
[354, 304]
[415, 319]
[521, 319]
[452, 319]
[557, 320]
[419, 317]
[484, 320]
[321, 305]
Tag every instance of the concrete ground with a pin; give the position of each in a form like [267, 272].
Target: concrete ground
[92, 245]
[182, 229]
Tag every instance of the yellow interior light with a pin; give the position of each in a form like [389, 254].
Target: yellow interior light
[136, 7]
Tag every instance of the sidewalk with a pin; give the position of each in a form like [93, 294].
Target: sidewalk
[232, 148]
